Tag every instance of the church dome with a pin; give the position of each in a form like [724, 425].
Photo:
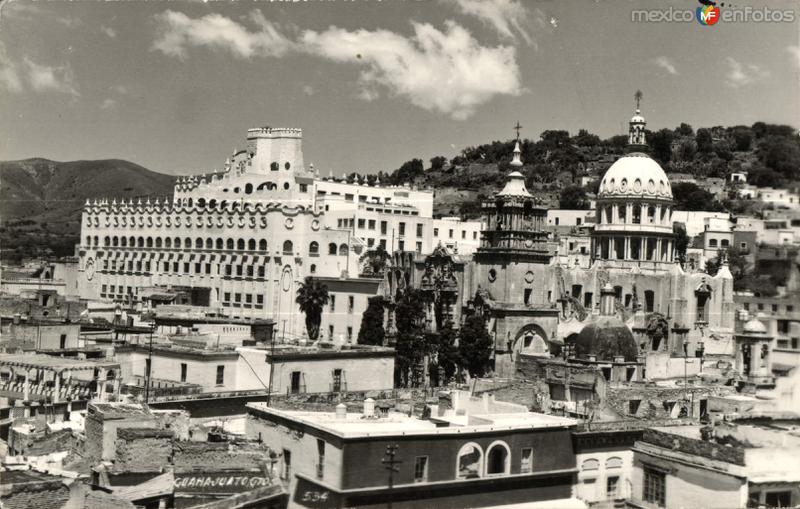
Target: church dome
[635, 175]
[607, 337]
[515, 186]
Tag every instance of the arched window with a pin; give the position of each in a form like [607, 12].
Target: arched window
[177, 242]
[198, 243]
[168, 242]
[132, 241]
[189, 202]
[724, 243]
[88, 240]
[212, 203]
[229, 244]
[115, 241]
[469, 464]
[97, 241]
[313, 249]
[106, 240]
[123, 241]
[158, 241]
[343, 250]
[240, 244]
[331, 248]
[223, 204]
[288, 247]
[251, 244]
[712, 243]
[313, 269]
[651, 215]
[622, 212]
[149, 241]
[220, 244]
[209, 243]
[140, 242]
[201, 202]
[498, 459]
[248, 189]
[637, 214]
[590, 464]
[614, 462]
[262, 245]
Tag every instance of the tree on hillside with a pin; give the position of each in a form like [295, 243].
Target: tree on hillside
[438, 162]
[689, 196]
[312, 296]
[742, 138]
[475, 345]
[586, 139]
[573, 197]
[660, 143]
[372, 331]
[704, 141]
[408, 172]
[684, 130]
[781, 154]
[617, 143]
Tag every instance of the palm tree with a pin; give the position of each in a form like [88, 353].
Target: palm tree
[312, 297]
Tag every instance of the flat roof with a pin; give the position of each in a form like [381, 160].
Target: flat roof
[354, 425]
[41, 361]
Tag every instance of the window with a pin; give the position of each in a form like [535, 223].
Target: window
[331, 248]
[402, 228]
[421, 469]
[312, 269]
[655, 487]
[362, 223]
[371, 224]
[778, 499]
[384, 227]
[450, 233]
[649, 300]
[349, 334]
[436, 232]
[62, 342]
[343, 250]
[288, 247]
[220, 375]
[401, 245]
[333, 303]
[497, 459]
[419, 230]
[183, 371]
[612, 485]
[712, 243]
[313, 249]
[463, 234]
[527, 295]
[419, 247]
[470, 460]
[526, 461]
[351, 303]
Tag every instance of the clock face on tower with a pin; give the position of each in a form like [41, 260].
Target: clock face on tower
[89, 269]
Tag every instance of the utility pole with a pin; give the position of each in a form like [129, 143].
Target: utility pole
[271, 365]
[391, 466]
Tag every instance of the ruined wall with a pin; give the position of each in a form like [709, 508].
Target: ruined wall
[143, 450]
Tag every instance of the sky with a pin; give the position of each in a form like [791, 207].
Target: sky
[174, 86]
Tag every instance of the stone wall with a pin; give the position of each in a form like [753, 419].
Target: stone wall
[143, 450]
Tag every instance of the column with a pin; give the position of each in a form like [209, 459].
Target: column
[101, 384]
[627, 248]
[657, 254]
[26, 390]
[56, 387]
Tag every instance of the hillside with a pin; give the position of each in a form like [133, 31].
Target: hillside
[41, 200]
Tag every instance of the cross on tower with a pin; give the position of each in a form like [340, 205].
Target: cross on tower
[517, 128]
[638, 96]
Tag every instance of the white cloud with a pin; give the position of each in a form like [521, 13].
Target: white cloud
[44, 78]
[795, 52]
[108, 104]
[666, 64]
[177, 32]
[110, 32]
[509, 18]
[9, 74]
[740, 75]
[445, 71]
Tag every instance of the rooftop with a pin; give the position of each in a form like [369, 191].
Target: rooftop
[355, 425]
[40, 361]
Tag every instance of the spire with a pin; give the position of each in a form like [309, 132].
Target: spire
[517, 161]
[636, 138]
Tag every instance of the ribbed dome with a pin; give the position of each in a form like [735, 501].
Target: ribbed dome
[607, 337]
[635, 174]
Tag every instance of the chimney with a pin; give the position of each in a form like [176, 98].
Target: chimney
[341, 412]
[369, 408]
